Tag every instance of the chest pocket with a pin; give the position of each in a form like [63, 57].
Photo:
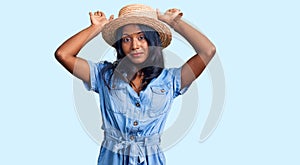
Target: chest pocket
[159, 100]
[118, 100]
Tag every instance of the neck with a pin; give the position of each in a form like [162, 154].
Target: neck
[137, 82]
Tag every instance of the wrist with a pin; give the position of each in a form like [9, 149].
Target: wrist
[175, 23]
[96, 28]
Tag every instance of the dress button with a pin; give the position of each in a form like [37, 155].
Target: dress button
[162, 90]
[132, 137]
[137, 104]
[135, 123]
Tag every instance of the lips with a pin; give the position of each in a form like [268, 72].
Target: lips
[137, 54]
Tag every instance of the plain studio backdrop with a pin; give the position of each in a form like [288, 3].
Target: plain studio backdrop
[257, 43]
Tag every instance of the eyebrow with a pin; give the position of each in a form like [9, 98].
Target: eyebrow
[125, 34]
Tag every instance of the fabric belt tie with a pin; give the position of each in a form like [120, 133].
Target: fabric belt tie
[135, 144]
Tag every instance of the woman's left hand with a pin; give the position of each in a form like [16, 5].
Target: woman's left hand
[170, 16]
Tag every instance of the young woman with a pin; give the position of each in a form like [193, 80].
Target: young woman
[136, 91]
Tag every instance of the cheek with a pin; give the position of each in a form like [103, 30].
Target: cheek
[146, 48]
[147, 53]
[125, 48]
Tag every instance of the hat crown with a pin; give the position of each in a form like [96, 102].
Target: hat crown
[137, 10]
[136, 14]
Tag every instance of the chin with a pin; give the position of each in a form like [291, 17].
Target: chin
[138, 61]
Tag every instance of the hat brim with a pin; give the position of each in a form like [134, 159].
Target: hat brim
[109, 30]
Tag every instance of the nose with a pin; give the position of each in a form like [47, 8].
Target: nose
[135, 44]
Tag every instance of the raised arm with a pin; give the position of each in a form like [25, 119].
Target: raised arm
[66, 53]
[202, 45]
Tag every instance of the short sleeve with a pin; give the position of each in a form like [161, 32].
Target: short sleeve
[176, 79]
[95, 73]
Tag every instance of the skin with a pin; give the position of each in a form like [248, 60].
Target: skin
[134, 44]
[66, 54]
[205, 49]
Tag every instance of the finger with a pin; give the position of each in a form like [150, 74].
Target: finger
[158, 12]
[174, 10]
[171, 11]
[178, 16]
[111, 17]
[101, 14]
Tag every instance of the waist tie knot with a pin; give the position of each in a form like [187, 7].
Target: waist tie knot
[132, 145]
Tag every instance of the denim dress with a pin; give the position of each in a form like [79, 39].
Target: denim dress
[133, 123]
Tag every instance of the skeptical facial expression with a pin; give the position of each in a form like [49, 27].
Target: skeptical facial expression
[134, 44]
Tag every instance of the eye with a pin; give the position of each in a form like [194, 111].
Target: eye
[142, 37]
[126, 39]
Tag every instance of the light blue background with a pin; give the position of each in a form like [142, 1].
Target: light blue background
[257, 42]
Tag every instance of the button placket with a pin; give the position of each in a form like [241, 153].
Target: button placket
[135, 123]
[137, 104]
[131, 137]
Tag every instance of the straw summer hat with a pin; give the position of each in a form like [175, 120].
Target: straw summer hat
[137, 14]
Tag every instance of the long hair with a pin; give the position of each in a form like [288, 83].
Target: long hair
[124, 69]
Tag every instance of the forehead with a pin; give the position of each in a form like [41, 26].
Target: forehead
[131, 29]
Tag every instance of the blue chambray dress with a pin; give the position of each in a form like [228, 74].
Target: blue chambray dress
[133, 123]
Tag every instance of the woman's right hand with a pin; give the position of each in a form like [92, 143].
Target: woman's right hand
[66, 53]
[99, 19]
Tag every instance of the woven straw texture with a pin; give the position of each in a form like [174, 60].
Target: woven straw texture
[137, 14]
